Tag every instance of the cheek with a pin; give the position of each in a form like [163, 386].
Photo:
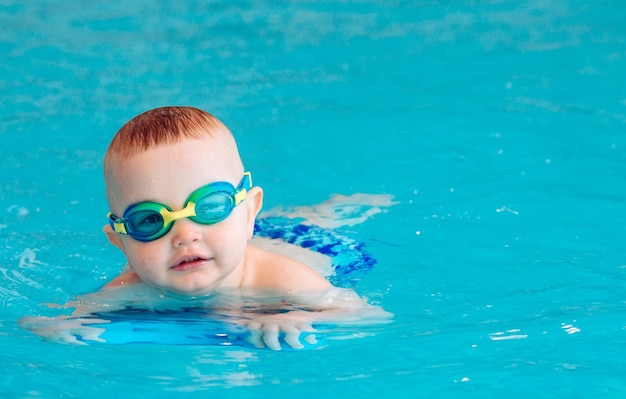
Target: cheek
[232, 232]
[141, 254]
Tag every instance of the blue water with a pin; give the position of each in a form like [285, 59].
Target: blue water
[499, 127]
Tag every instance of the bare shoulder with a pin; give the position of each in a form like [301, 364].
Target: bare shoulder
[266, 269]
[129, 277]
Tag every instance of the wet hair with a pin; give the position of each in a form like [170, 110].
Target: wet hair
[165, 125]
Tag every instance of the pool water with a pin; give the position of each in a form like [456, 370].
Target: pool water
[498, 126]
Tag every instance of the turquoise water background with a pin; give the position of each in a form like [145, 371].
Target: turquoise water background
[499, 127]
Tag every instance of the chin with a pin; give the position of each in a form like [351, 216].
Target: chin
[192, 291]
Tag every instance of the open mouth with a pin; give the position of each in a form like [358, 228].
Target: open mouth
[189, 263]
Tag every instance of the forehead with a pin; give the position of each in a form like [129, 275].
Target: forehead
[169, 173]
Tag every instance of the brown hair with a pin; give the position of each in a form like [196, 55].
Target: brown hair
[165, 125]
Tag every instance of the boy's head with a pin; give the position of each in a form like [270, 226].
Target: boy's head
[163, 156]
[167, 125]
[164, 125]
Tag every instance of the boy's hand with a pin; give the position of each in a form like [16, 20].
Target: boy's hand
[64, 329]
[265, 330]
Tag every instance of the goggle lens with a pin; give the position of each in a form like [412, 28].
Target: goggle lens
[213, 208]
[144, 223]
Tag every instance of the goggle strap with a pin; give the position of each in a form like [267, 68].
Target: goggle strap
[116, 224]
[119, 228]
[246, 181]
[240, 196]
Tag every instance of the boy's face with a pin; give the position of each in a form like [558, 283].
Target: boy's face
[192, 258]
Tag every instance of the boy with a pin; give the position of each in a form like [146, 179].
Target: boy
[194, 243]
[182, 210]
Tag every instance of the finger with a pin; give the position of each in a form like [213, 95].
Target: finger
[310, 339]
[256, 335]
[68, 338]
[307, 334]
[270, 337]
[292, 338]
[92, 334]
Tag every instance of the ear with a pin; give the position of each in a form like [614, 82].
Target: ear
[113, 237]
[254, 202]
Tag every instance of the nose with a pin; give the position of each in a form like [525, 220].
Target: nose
[185, 232]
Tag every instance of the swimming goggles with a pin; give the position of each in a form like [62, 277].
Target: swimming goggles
[148, 221]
